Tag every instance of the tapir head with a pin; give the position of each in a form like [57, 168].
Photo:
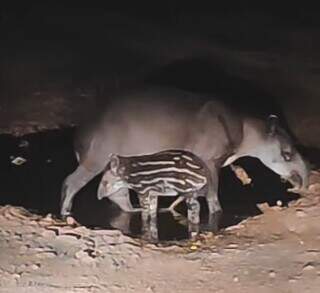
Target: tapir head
[111, 181]
[275, 149]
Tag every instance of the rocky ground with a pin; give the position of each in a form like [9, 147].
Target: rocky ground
[55, 81]
[277, 251]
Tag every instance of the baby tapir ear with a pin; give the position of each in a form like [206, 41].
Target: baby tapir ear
[272, 124]
[114, 164]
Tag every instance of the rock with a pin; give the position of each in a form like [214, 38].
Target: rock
[35, 266]
[263, 207]
[314, 188]
[308, 267]
[272, 274]
[71, 221]
[46, 254]
[232, 246]
[23, 249]
[235, 279]
[300, 213]
[48, 234]
[18, 161]
[84, 256]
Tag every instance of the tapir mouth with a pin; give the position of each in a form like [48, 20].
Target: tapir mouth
[296, 181]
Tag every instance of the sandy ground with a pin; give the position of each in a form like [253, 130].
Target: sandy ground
[277, 251]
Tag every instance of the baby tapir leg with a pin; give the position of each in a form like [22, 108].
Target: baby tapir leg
[144, 203]
[193, 215]
[153, 209]
[149, 205]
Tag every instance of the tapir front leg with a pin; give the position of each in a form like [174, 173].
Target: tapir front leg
[215, 210]
[72, 184]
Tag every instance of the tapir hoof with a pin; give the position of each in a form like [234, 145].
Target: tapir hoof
[213, 222]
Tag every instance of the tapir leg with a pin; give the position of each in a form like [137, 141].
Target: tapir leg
[145, 213]
[193, 215]
[214, 206]
[72, 184]
[153, 209]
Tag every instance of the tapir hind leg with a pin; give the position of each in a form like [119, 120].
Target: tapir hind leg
[215, 210]
[72, 184]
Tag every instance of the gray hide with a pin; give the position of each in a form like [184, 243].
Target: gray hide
[155, 119]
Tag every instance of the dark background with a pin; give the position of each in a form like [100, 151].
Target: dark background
[59, 61]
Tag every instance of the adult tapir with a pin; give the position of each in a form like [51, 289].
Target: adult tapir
[153, 119]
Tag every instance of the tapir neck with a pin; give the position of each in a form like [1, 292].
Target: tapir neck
[253, 130]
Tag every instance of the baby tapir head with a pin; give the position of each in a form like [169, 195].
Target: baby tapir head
[112, 180]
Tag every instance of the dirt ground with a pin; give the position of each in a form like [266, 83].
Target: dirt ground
[277, 251]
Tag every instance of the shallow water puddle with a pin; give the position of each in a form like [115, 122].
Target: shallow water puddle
[33, 167]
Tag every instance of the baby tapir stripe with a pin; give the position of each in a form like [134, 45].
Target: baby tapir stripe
[167, 172]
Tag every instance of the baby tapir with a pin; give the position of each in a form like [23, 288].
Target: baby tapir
[166, 173]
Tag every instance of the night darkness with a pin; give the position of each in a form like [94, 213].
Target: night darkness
[62, 65]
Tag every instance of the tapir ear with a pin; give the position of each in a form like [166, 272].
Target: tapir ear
[272, 124]
[114, 164]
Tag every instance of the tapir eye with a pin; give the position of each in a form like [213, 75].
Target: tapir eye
[287, 156]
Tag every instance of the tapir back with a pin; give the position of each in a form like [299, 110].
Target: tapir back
[155, 119]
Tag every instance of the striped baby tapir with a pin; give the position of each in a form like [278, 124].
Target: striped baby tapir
[166, 173]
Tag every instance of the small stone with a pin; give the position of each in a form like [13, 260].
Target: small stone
[20, 269]
[263, 207]
[84, 257]
[23, 143]
[18, 161]
[300, 213]
[232, 246]
[314, 188]
[235, 279]
[308, 267]
[35, 266]
[272, 274]
[16, 276]
[193, 247]
[71, 221]
[23, 249]
[279, 203]
[46, 254]
[48, 234]
[292, 280]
